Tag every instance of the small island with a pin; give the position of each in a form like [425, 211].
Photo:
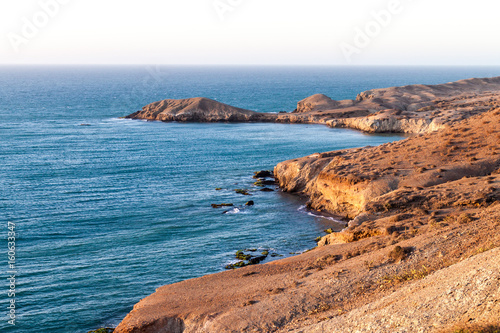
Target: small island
[421, 248]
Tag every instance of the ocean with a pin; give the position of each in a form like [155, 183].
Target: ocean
[107, 212]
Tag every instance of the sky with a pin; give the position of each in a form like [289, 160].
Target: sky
[250, 32]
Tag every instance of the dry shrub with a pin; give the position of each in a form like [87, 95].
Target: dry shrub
[449, 219]
[464, 218]
[399, 253]
[320, 308]
[352, 236]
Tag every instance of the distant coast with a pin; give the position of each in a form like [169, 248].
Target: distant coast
[409, 109]
[421, 249]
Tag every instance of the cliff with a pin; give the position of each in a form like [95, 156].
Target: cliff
[352, 181]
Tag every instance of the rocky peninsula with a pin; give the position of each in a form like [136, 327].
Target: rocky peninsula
[409, 109]
[420, 253]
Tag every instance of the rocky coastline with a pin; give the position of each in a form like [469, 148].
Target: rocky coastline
[420, 253]
[410, 109]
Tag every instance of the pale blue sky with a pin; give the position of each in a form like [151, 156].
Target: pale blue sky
[312, 32]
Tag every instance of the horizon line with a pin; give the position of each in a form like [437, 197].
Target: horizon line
[246, 65]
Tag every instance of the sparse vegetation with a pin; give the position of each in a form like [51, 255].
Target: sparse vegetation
[410, 275]
[321, 308]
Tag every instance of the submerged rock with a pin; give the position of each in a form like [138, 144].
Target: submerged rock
[256, 260]
[242, 191]
[103, 330]
[248, 259]
[239, 264]
[222, 205]
[262, 182]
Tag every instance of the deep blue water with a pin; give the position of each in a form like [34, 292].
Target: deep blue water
[106, 213]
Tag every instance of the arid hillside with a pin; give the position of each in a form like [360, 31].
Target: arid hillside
[420, 253]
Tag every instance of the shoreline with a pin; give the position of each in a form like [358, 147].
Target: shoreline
[394, 200]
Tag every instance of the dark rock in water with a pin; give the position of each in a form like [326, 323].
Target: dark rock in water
[258, 183]
[242, 256]
[249, 203]
[242, 191]
[267, 189]
[222, 205]
[103, 330]
[84, 124]
[262, 182]
[263, 174]
[218, 188]
[236, 265]
[256, 260]
[249, 259]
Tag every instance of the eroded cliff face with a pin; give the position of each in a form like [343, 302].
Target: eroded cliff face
[362, 180]
[388, 124]
[326, 191]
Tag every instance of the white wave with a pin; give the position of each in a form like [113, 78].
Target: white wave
[303, 209]
[233, 211]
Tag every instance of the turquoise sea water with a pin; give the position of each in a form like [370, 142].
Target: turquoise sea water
[106, 213]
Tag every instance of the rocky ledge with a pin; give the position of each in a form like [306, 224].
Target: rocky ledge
[408, 109]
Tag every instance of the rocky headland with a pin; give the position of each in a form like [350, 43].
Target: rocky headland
[420, 252]
[409, 109]
[198, 109]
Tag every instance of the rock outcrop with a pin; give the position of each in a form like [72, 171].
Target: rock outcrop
[198, 110]
[318, 102]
